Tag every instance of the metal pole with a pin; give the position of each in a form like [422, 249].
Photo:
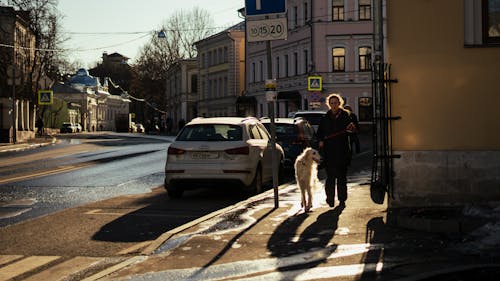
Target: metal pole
[273, 128]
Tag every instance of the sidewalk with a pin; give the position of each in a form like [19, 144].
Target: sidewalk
[38, 141]
[253, 240]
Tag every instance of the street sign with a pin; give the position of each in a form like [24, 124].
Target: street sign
[267, 29]
[315, 83]
[45, 97]
[270, 87]
[264, 7]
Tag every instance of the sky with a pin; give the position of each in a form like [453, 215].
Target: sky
[98, 26]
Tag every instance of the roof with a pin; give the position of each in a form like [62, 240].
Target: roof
[84, 78]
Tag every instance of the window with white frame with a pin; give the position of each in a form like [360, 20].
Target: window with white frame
[338, 59]
[364, 9]
[337, 10]
[365, 58]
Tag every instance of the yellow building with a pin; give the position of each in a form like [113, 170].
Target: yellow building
[444, 60]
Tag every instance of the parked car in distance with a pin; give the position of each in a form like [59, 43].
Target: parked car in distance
[313, 116]
[67, 127]
[294, 135]
[210, 151]
[139, 128]
[78, 127]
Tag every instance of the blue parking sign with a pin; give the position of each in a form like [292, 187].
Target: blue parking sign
[264, 7]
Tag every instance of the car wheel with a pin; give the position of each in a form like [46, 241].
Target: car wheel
[256, 185]
[174, 191]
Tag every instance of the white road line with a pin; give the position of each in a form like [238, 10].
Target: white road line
[17, 268]
[240, 269]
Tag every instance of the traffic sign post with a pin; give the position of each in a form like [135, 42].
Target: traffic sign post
[45, 97]
[267, 30]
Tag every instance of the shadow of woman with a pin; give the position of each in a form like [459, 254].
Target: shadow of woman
[300, 251]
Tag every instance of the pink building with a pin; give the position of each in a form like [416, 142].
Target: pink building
[332, 39]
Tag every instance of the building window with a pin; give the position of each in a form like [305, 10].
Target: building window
[306, 12]
[338, 57]
[491, 10]
[194, 83]
[261, 70]
[286, 66]
[277, 67]
[295, 17]
[226, 55]
[365, 9]
[365, 109]
[338, 10]
[365, 58]
[253, 71]
[295, 64]
[306, 61]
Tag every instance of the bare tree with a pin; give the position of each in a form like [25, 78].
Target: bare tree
[44, 20]
[178, 34]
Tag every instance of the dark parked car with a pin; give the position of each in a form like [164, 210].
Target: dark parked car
[313, 116]
[293, 134]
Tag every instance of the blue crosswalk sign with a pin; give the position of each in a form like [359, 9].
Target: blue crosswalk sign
[264, 7]
[45, 97]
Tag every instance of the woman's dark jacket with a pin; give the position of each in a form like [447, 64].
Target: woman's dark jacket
[332, 131]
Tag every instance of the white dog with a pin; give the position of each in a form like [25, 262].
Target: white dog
[306, 175]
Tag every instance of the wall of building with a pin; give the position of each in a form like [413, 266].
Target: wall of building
[447, 95]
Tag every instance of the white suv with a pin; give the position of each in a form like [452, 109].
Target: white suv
[209, 151]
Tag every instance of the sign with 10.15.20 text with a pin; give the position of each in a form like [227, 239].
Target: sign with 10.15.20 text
[268, 29]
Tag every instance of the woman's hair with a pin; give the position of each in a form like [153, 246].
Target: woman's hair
[336, 96]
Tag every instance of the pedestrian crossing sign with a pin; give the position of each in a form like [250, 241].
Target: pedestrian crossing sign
[45, 97]
[314, 83]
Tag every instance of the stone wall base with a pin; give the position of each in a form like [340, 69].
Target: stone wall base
[445, 178]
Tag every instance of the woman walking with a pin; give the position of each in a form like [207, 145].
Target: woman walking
[333, 138]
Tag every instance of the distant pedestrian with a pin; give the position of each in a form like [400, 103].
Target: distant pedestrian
[334, 142]
[353, 136]
[39, 126]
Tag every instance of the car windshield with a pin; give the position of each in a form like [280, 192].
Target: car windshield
[210, 132]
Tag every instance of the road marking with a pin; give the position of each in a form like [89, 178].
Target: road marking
[10, 214]
[8, 258]
[240, 269]
[15, 269]
[44, 173]
[134, 213]
[114, 268]
[63, 270]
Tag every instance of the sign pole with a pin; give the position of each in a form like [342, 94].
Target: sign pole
[273, 127]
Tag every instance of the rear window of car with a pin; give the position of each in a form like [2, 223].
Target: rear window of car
[211, 132]
[284, 129]
[312, 118]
